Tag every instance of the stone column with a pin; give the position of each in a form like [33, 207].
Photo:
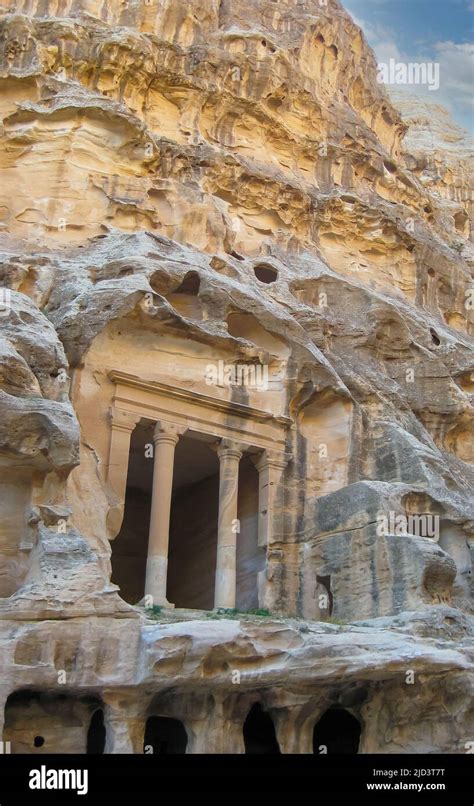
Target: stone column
[294, 733]
[165, 438]
[124, 724]
[229, 454]
[123, 423]
[215, 734]
[270, 466]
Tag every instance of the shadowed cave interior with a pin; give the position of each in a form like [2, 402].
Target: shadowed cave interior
[193, 525]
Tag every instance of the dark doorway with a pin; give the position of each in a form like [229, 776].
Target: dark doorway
[165, 736]
[193, 527]
[130, 547]
[259, 732]
[337, 732]
[96, 734]
[43, 722]
[250, 556]
[192, 548]
[193, 523]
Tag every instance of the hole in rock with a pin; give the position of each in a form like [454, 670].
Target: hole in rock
[96, 734]
[259, 732]
[333, 50]
[325, 583]
[390, 166]
[434, 337]
[460, 220]
[185, 299]
[165, 736]
[338, 731]
[38, 741]
[265, 273]
[274, 103]
[236, 255]
[190, 284]
[431, 272]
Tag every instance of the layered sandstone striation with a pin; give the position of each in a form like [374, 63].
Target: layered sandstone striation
[190, 185]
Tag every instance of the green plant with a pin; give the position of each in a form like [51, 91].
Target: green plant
[259, 611]
[154, 610]
[234, 612]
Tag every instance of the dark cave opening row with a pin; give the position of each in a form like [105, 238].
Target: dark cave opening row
[336, 732]
[38, 729]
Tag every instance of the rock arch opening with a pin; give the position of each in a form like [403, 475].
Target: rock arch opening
[165, 736]
[185, 299]
[96, 734]
[338, 731]
[41, 722]
[259, 732]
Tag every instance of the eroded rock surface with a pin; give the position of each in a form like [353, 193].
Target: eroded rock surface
[187, 185]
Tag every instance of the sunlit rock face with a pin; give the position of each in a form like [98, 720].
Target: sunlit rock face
[212, 214]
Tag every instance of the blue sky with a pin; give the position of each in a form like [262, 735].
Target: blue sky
[439, 31]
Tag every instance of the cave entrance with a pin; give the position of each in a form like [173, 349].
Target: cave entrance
[40, 722]
[259, 732]
[193, 528]
[193, 524]
[164, 736]
[129, 548]
[96, 734]
[338, 731]
[192, 550]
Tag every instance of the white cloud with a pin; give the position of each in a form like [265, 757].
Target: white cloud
[386, 50]
[456, 69]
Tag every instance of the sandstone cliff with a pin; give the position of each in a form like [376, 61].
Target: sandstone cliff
[189, 183]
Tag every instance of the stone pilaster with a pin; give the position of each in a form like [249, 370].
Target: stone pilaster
[270, 466]
[123, 424]
[124, 724]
